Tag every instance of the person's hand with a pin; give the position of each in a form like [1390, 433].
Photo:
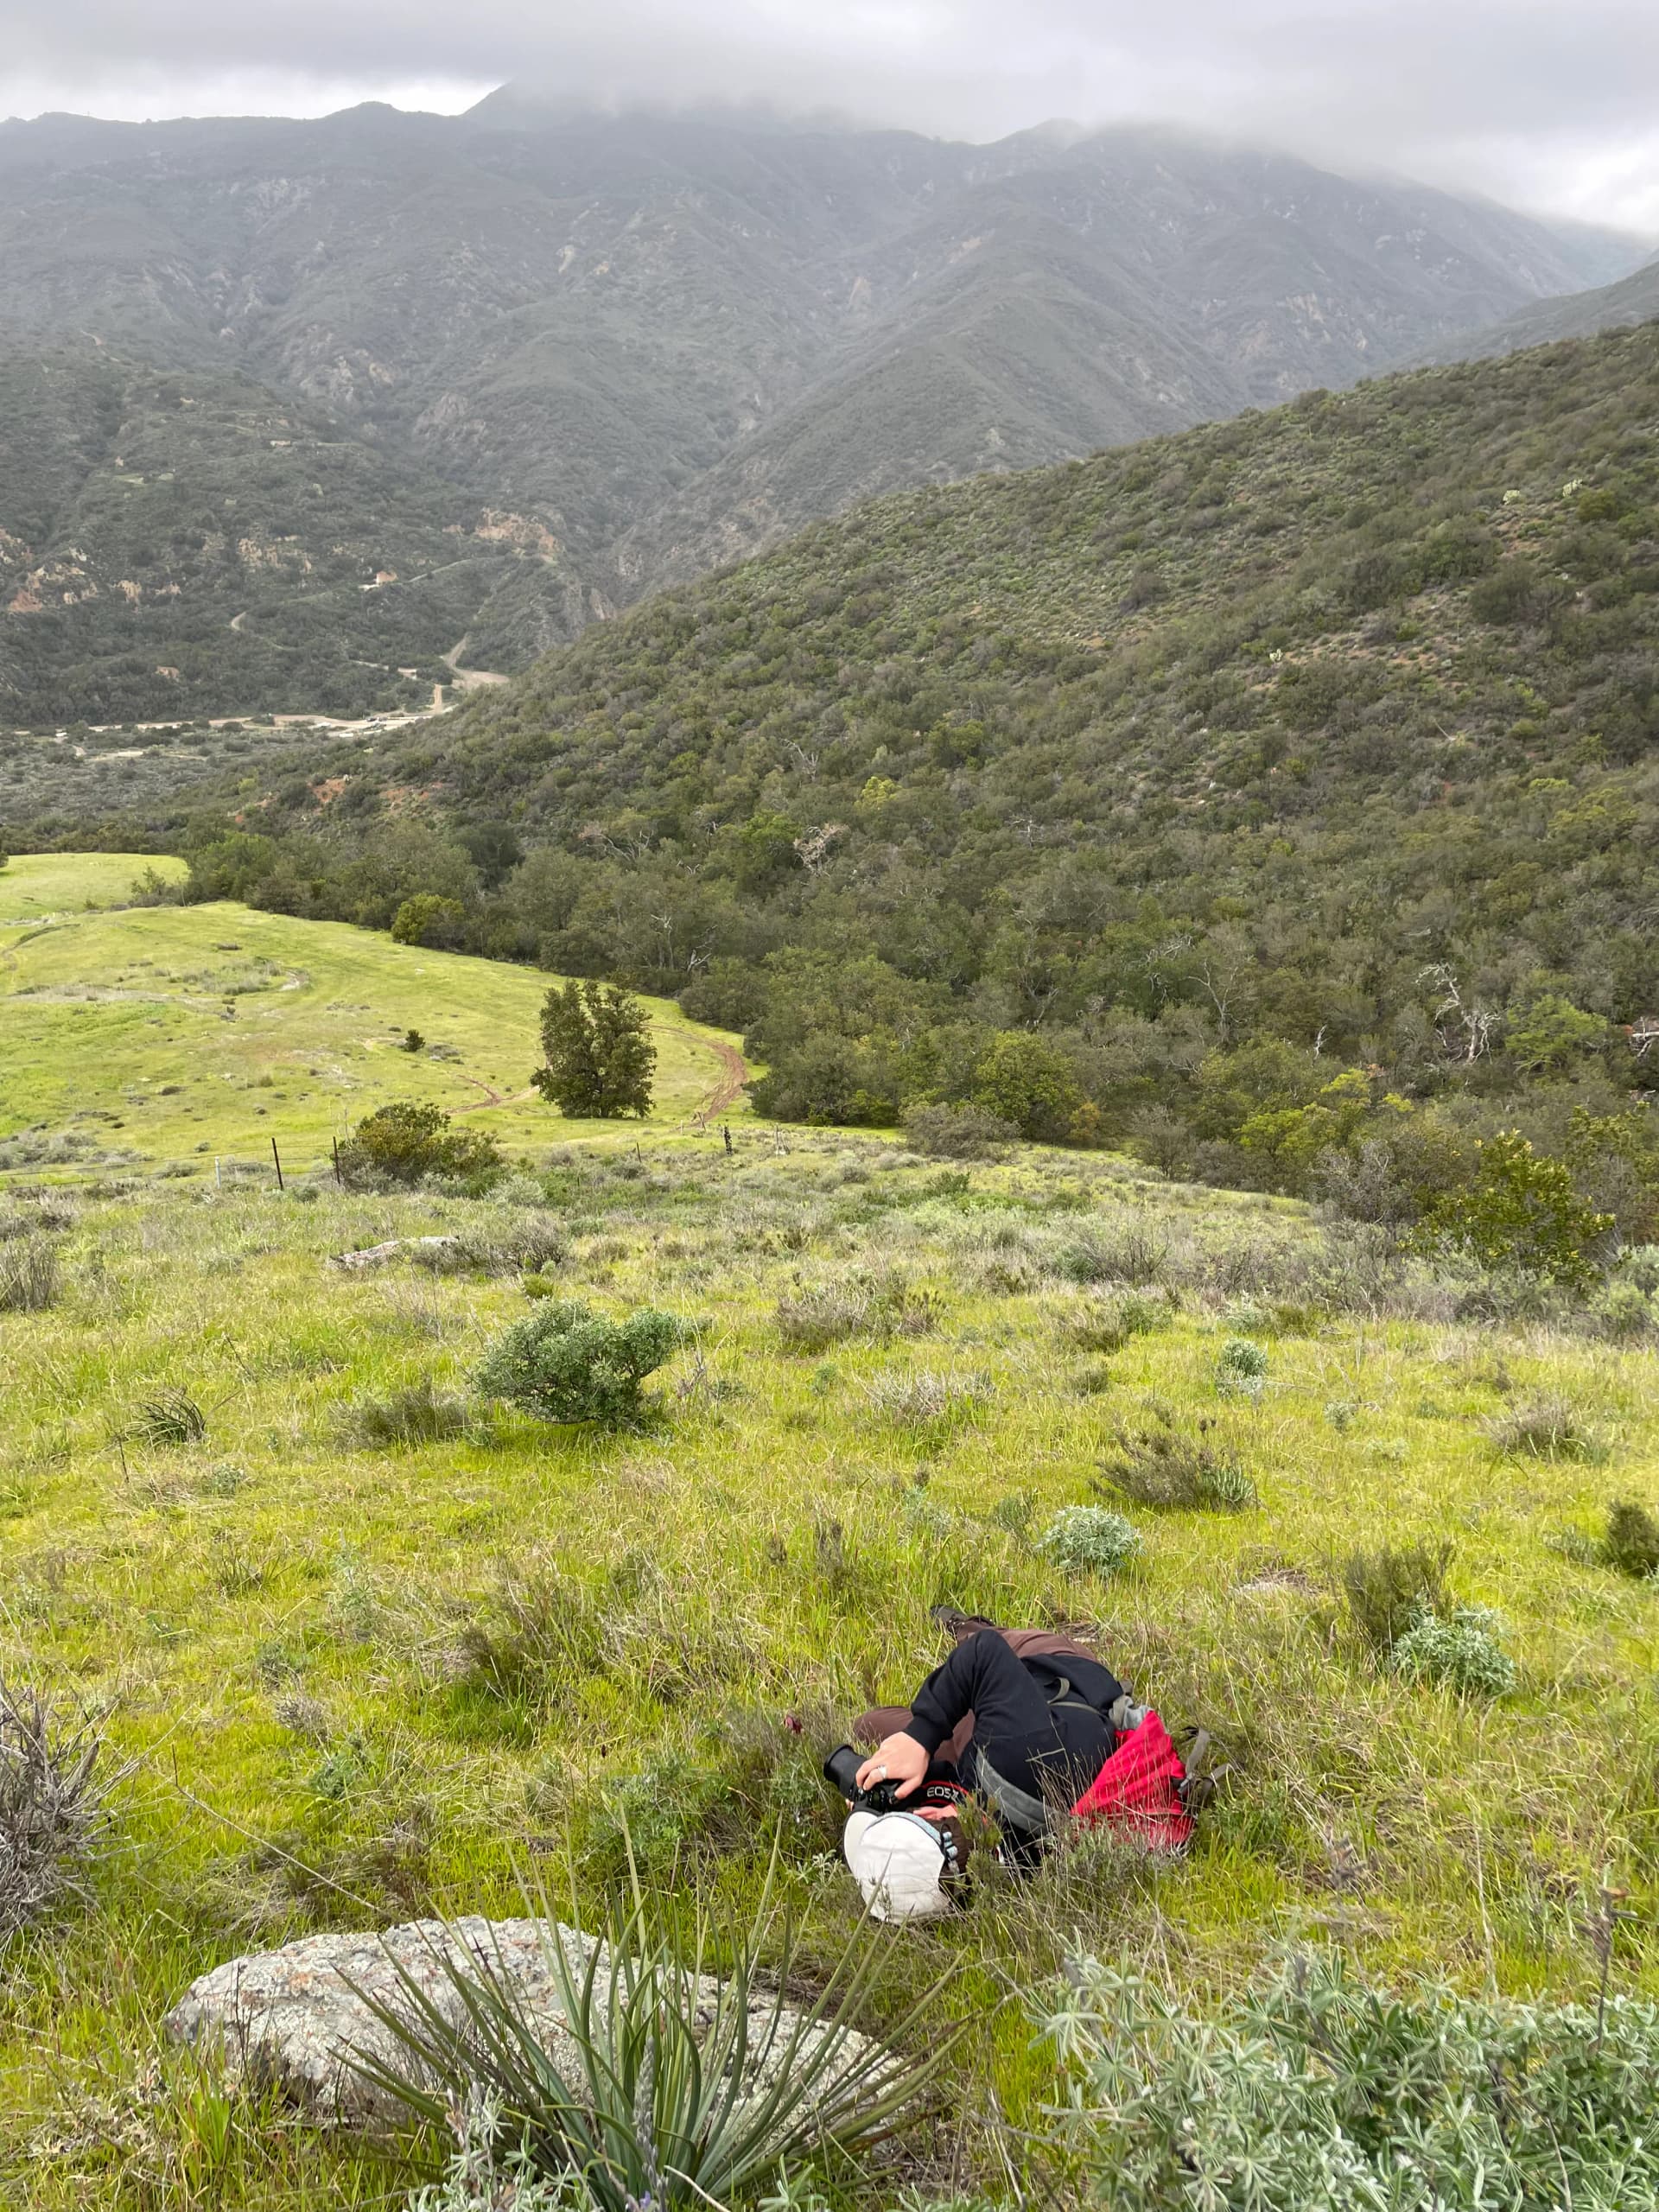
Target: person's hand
[900, 1759]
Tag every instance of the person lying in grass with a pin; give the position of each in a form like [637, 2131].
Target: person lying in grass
[1011, 1710]
[1026, 1722]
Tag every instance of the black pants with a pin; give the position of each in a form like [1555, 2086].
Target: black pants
[1051, 1751]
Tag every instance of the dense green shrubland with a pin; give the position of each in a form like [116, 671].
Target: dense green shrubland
[1277, 799]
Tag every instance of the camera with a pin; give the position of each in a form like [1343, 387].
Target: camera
[841, 1768]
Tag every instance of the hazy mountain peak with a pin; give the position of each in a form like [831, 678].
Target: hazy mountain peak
[645, 343]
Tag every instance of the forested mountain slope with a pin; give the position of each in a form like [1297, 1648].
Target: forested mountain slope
[663, 341]
[183, 543]
[1320, 746]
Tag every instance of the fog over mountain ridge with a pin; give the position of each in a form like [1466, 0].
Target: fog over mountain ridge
[600, 353]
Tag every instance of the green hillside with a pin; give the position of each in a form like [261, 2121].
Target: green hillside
[1178, 787]
[168, 1040]
[365, 1645]
[1631, 299]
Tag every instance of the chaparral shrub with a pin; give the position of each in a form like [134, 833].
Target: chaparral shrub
[564, 1362]
[408, 1142]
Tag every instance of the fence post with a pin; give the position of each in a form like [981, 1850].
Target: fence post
[277, 1157]
[337, 1173]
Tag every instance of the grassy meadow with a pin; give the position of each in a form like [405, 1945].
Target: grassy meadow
[359, 1678]
[140, 1037]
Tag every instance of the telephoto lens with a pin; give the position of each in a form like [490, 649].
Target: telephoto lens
[841, 1768]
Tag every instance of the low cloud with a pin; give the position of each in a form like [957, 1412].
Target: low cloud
[1545, 105]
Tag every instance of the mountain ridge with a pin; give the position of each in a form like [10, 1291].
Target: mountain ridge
[1288, 782]
[666, 342]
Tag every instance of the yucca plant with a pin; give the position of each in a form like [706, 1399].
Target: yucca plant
[686, 2080]
[171, 1417]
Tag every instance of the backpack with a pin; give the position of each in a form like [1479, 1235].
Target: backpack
[1145, 1787]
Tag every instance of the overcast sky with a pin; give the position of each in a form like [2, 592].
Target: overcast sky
[1547, 103]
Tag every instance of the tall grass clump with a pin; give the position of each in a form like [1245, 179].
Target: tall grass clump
[1389, 1590]
[417, 1414]
[817, 1315]
[172, 1416]
[540, 1630]
[1107, 1324]
[667, 2086]
[29, 1275]
[1174, 1470]
[1315, 2092]
[55, 1809]
[1136, 1253]
[926, 1400]
[1542, 1428]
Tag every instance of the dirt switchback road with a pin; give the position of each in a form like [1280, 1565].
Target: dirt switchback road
[734, 1073]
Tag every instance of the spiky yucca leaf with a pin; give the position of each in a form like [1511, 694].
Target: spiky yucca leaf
[688, 2086]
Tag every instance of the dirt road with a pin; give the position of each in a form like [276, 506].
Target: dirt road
[735, 1074]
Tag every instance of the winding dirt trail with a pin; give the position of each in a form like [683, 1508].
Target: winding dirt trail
[726, 1093]
[480, 1105]
[734, 1074]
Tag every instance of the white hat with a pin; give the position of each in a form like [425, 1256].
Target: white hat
[898, 1862]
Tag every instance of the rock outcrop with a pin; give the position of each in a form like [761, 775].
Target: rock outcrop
[295, 2020]
[292, 2018]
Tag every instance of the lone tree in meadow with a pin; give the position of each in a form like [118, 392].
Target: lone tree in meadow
[599, 1056]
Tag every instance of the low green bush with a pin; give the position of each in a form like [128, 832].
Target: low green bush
[1090, 1540]
[1624, 1311]
[564, 1362]
[1459, 1652]
[1315, 2092]
[429, 920]
[957, 1132]
[1631, 1543]
[408, 1143]
[1520, 1210]
[1241, 1368]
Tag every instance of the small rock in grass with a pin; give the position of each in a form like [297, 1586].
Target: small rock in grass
[376, 1255]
